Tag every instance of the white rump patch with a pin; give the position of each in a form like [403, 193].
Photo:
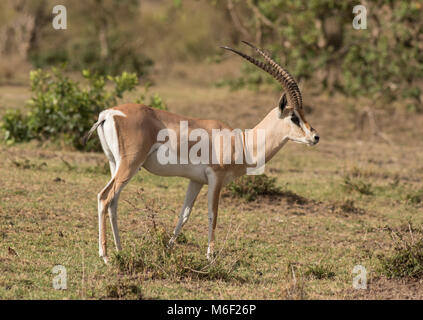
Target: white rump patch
[111, 113]
[109, 137]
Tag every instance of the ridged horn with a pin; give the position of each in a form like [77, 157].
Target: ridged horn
[282, 75]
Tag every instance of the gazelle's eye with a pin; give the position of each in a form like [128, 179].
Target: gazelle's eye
[295, 120]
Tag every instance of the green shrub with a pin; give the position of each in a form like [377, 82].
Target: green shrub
[155, 101]
[320, 271]
[124, 288]
[16, 129]
[316, 39]
[250, 187]
[152, 259]
[357, 185]
[415, 198]
[407, 261]
[61, 109]
[104, 37]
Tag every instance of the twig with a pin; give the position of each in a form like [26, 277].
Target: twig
[411, 233]
[259, 15]
[68, 165]
[197, 271]
[224, 244]
[236, 20]
[293, 274]
[373, 126]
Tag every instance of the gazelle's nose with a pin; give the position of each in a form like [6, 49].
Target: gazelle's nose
[316, 138]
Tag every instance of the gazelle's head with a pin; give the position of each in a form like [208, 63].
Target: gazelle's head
[290, 109]
[299, 130]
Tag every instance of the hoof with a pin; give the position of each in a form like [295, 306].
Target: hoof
[210, 253]
[171, 243]
[210, 256]
[106, 260]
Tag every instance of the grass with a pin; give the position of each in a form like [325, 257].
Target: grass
[415, 197]
[357, 185]
[151, 259]
[406, 259]
[317, 224]
[250, 187]
[405, 262]
[49, 221]
[320, 271]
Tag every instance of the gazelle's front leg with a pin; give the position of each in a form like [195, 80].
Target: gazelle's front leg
[215, 185]
[192, 193]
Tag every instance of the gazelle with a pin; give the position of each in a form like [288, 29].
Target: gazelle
[129, 137]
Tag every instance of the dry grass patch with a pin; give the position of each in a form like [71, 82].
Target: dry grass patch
[357, 185]
[251, 188]
[406, 259]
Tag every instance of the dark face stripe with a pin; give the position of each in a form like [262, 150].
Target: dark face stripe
[307, 125]
[300, 114]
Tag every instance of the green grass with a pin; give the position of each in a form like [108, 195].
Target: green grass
[404, 262]
[48, 216]
[301, 243]
[320, 271]
[406, 258]
[251, 187]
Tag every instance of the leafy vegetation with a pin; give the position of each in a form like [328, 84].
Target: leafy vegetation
[357, 185]
[153, 101]
[48, 207]
[153, 260]
[251, 186]
[320, 271]
[60, 108]
[415, 198]
[98, 40]
[406, 261]
[316, 39]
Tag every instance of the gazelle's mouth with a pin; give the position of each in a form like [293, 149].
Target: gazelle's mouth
[311, 143]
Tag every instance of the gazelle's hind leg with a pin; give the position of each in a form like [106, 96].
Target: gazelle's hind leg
[122, 168]
[113, 219]
[107, 202]
[192, 193]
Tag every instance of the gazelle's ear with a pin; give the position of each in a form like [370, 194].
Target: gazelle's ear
[282, 103]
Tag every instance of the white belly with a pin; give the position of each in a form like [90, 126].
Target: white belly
[196, 172]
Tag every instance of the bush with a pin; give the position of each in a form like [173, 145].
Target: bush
[320, 271]
[104, 37]
[415, 197]
[315, 39]
[16, 129]
[124, 288]
[61, 109]
[407, 261]
[358, 186]
[155, 101]
[250, 187]
[152, 259]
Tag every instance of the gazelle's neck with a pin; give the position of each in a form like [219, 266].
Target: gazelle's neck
[276, 133]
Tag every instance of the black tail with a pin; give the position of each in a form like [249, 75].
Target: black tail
[99, 122]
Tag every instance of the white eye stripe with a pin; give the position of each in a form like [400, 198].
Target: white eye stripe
[299, 117]
[302, 123]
